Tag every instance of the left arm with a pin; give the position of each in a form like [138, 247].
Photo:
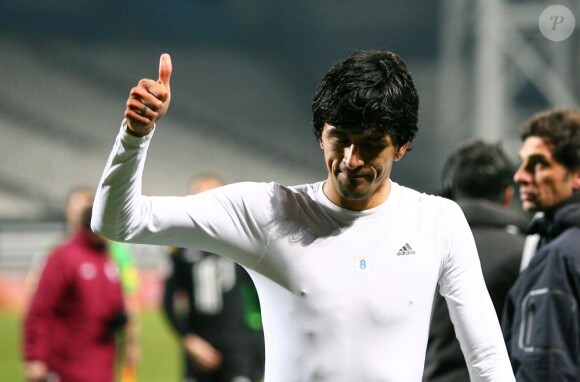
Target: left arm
[175, 283]
[470, 307]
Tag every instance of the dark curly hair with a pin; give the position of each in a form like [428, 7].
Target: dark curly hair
[559, 127]
[368, 90]
[476, 169]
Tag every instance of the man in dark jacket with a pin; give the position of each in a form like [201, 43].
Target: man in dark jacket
[478, 176]
[540, 322]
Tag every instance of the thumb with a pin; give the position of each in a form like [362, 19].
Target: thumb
[165, 69]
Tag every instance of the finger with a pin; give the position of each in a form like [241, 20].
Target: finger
[200, 362]
[137, 120]
[208, 364]
[137, 106]
[149, 93]
[138, 112]
[165, 69]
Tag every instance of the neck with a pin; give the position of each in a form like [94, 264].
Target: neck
[378, 197]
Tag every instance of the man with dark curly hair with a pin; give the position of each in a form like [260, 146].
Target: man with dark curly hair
[345, 268]
[541, 323]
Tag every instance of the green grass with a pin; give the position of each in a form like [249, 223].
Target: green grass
[10, 353]
[160, 356]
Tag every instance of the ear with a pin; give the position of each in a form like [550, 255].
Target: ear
[508, 195]
[576, 180]
[320, 143]
[401, 151]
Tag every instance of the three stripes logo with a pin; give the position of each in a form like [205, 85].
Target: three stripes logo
[406, 250]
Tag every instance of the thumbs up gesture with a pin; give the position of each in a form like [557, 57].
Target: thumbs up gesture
[149, 100]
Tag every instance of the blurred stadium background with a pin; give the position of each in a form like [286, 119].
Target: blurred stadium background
[244, 74]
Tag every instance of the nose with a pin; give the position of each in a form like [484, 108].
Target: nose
[352, 157]
[522, 175]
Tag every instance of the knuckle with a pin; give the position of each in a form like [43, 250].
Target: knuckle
[135, 92]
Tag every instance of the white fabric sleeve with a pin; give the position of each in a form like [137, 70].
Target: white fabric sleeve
[470, 306]
[215, 221]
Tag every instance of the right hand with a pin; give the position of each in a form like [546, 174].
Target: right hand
[149, 100]
[35, 371]
[205, 357]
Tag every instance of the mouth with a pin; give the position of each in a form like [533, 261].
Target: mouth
[354, 175]
[527, 196]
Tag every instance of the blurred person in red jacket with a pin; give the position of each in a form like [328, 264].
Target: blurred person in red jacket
[71, 323]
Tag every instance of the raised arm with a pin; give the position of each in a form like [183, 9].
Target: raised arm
[118, 199]
[214, 221]
[149, 100]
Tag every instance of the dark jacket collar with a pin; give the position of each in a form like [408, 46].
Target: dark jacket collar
[482, 212]
[555, 221]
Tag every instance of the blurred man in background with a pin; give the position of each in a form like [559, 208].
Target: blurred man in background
[540, 322]
[478, 176]
[212, 305]
[80, 199]
[77, 309]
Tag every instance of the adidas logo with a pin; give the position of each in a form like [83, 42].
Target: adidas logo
[406, 250]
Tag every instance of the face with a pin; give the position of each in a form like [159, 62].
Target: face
[204, 184]
[544, 183]
[359, 166]
[77, 203]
